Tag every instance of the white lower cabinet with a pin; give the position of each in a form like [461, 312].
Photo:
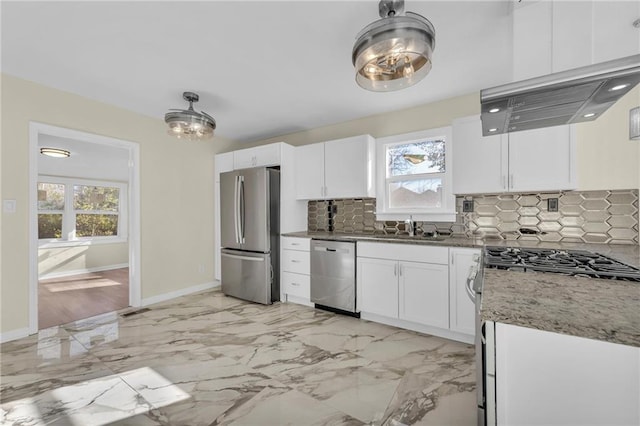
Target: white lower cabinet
[545, 378]
[378, 281]
[424, 293]
[295, 270]
[412, 291]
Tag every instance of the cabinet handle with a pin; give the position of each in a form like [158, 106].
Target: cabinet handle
[295, 284]
[511, 181]
[400, 270]
[504, 183]
[295, 261]
[295, 244]
[395, 270]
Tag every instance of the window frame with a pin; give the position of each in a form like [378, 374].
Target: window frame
[69, 238]
[445, 213]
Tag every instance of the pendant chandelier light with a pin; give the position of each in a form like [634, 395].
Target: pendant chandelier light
[190, 124]
[393, 52]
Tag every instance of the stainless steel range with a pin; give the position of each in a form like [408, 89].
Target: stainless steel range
[570, 262]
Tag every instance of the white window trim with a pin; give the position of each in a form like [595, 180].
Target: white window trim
[447, 212]
[68, 220]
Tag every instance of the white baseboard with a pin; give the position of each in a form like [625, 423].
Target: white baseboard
[179, 293]
[299, 300]
[8, 336]
[82, 271]
[434, 331]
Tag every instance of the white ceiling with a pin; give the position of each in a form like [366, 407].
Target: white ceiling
[261, 68]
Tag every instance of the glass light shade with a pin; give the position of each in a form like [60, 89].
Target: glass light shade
[393, 52]
[190, 125]
[55, 152]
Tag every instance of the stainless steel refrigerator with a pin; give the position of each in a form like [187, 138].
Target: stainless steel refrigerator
[250, 234]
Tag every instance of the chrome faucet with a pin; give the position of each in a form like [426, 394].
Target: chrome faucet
[412, 226]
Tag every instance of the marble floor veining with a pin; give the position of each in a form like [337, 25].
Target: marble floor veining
[208, 359]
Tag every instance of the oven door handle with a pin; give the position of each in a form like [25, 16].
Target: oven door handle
[473, 271]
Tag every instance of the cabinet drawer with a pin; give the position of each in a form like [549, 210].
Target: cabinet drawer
[296, 261]
[296, 284]
[408, 252]
[295, 243]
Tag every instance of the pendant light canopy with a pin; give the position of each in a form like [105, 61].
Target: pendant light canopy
[393, 52]
[190, 124]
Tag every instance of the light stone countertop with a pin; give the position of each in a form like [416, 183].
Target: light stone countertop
[600, 309]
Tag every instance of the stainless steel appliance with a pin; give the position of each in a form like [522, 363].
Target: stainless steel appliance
[569, 262]
[572, 96]
[333, 275]
[250, 231]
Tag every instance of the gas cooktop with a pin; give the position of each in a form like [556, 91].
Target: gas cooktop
[569, 262]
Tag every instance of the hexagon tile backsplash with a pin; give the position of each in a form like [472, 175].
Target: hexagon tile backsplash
[586, 216]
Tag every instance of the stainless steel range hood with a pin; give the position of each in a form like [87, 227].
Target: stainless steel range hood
[573, 96]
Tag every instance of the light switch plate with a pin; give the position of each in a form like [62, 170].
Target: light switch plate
[8, 206]
[552, 204]
[467, 206]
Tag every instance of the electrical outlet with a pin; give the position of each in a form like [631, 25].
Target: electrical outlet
[552, 204]
[467, 206]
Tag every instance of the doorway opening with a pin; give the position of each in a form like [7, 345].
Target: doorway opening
[84, 226]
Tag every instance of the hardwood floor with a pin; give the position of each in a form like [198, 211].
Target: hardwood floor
[62, 300]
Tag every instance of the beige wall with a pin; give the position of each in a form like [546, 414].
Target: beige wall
[606, 158]
[176, 184]
[66, 260]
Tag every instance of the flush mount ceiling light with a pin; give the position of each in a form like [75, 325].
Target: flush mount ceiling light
[393, 52]
[55, 152]
[190, 124]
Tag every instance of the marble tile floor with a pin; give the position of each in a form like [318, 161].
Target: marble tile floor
[208, 359]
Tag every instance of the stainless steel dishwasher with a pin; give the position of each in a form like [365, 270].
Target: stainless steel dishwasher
[333, 275]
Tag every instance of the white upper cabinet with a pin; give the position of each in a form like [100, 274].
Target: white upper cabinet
[479, 163]
[554, 36]
[532, 160]
[542, 159]
[309, 171]
[266, 155]
[342, 168]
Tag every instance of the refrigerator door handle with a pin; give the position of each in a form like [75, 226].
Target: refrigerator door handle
[236, 212]
[242, 212]
[250, 259]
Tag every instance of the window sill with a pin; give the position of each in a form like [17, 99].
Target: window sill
[420, 217]
[80, 243]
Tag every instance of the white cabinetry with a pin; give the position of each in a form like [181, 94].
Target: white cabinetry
[532, 160]
[266, 155]
[461, 307]
[342, 168]
[295, 266]
[544, 378]
[415, 289]
[223, 163]
[571, 34]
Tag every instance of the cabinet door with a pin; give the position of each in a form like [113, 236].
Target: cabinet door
[479, 163]
[309, 165]
[545, 378]
[424, 293]
[266, 155]
[461, 307]
[349, 167]
[378, 286]
[542, 159]
[243, 159]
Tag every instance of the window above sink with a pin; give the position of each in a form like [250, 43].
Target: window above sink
[414, 176]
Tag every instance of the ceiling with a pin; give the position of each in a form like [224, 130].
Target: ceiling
[87, 160]
[262, 69]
